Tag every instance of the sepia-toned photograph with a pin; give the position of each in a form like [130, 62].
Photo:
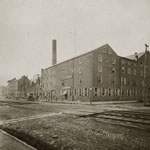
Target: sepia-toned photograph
[74, 74]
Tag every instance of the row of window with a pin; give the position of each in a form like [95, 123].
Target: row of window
[128, 62]
[114, 92]
[100, 92]
[129, 71]
[100, 58]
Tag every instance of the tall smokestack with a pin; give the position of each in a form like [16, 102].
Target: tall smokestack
[54, 52]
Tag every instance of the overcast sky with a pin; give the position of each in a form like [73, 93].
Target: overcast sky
[27, 28]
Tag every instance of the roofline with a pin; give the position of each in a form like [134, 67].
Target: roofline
[127, 58]
[77, 56]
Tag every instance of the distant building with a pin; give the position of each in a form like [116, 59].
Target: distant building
[98, 75]
[13, 88]
[3, 91]
[24, 84]
[35, 86]
[22, 87]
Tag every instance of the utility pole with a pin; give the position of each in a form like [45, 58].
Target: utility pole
[145, 67]
[73, 82]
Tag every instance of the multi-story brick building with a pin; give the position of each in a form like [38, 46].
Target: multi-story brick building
[97, 75]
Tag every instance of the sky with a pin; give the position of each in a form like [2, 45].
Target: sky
[27, 28]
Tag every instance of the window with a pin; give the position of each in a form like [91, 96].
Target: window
[99, 68]
[80, 61]
[100, 57]
[125, 81]
[121, 92]
[109, 52]
[134, 64]
[80, 81]
[141, 73]
[102, 91]
[130, 94]
[129, 63]
[134, 72]
[123, 69]
[86, 92]
[127, 92]
[134, 82]
[134, 92]
[141, 63]
[113, 70]
[105, 92]
[75, 92]
[80, 70]
[122, 80]
[100, 79]
[80, 92]
[104, 50]
[123, 61]
[95, 92]
[129, 70]
[83, 92]
[142, 92]
[113, 81]
[142, 83]
[98, 92]
[113, 60]
[116, 92]
[109, 92]
[69, 92]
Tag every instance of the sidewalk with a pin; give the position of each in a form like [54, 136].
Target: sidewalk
[68, 102]
[87, 103]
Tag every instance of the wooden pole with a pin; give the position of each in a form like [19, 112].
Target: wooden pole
[145, 60]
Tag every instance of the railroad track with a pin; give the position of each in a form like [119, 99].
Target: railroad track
[136, 119]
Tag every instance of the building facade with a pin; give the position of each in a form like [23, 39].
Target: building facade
[98, 75]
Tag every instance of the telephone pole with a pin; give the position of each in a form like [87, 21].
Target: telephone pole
[145, 68]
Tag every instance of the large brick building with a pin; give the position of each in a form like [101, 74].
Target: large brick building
[97, 75]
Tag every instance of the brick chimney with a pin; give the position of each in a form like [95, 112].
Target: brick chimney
[54, 52]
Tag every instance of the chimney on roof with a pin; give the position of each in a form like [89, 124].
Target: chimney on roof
[136, 56]
[54, 52]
